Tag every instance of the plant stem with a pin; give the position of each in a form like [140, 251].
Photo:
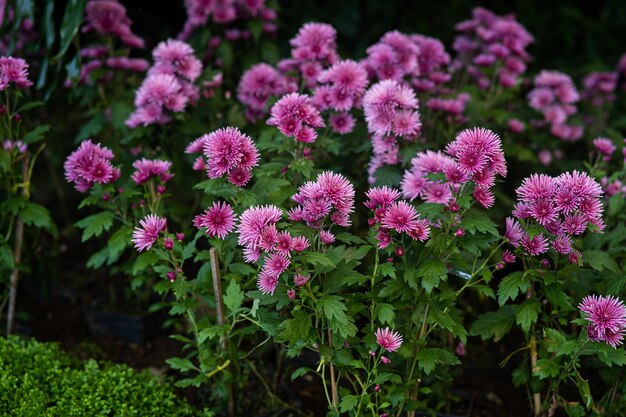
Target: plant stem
[333, 382]
[533, 364]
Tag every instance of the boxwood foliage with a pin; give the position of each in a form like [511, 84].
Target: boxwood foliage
[38, 379]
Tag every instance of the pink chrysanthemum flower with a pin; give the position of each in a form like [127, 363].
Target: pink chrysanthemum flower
[300, 243]
[13, 70]
[342, 123]
[514, 232]
[275, 264]
[157, 94]
[345, 84]
[218, 220]
[478, 149]
[388, 339]
[381, 197]
[296, 116]
[228, 151]
[145, 236]
[109, 17]
[315, 42]
[389, 105]
[267, 282]
[90, 164]
[128, 64]
[254, 221]
[607, 319]
[151, 168]
[536, 245]
[258, 84]
[599, 87]
[399, 216]
[301, 280]
[176, 58]
[326, 237]
[605, 147]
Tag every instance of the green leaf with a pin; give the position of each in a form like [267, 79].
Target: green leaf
[98, 259]
[300, 372]
[432, 272]
[511, 286]
[117, 243]
[143, 261]
[6, 256]
[527, 313]
[385, 313]
[317, 258]
[70, 24]
[233, 299]
[546, 368]
[428, 358]
[96, 224]
[387, 270]
[600, 261]
[37, 215]
[609, 355]
[36, 134]
[557, 297]
[208, 333]
[297, 328]
[180, 364]
[494, 324]
[476, 221]
[334, 310]
[348, 403]
[241, 269]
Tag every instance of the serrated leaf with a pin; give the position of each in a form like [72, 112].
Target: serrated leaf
[117, 243]
[387, 270]
[317, 258]
[38, 216]
[475, 221]
[36, 134]
[600, 260]
[297, 328]
[143, 261]
[300, 372]
[98, 259]
[233, 298]
[432, 271]
[6, 256]
[334, 310]
[557, 297]
[494, 324]
[95, 224]
[528, 313]
[241, 269]
[428, 358]
[385, 313]
[181, 364]
[546, 368]
[348, 403]
[510, 287]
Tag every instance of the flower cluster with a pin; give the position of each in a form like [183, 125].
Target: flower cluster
[605, 147]
[296, 117]
[563, 206]
[145, 169]
[108, 17]
[315, 42]
[391, 111]
[224, 12]
[394, 57]
[453, 107]
[258, 234]
[17, 145]
[554, 95]
[13, 70]
[90, 164]
[228, 152]
[432, 64]
[329, 197]
[344, 85]
[495, 42]
[393, 215]
[218, 220]
[599, 88]
[169, 85]
[258, 84]
[146, 235]
[606, 317]
[474, 156]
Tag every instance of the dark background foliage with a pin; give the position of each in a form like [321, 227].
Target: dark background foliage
[572, 36]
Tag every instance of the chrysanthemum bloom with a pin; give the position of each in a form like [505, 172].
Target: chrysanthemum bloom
[386, 105]
[599, 87]
[605, 147]
[388, 339]
[516, 125]
[301, 280]
[326, 237]
[342, 123]
[176, 58]
[218, 220]
[254, 221]
[151, 168]
[145, 236]
[331, 195]
[493, 42]
[108, 17]
[607, 319]
[300, 243]
[514, 232]
[399, 216]
[129, 64]
[267, 282]
[315, 42]
[555, 96]
[13, 70]
[393, 57]
[344, 85]
[564, 206]
[90, 164]
[296, 116]
[157, 94]
[228, 151]
[258, 84]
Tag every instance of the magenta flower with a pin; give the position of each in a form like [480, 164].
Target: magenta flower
[90, 164]
[254, 221]
[300, 243]
[381, 197]
[301, 280]
[176, 58]
[478, 149]
[151, 168]
[326, 237]
[391, 109]
[157, 94]
[108, 17]
[605, 147]
[599, 87]
[275, 264]
[228, 151]
[258, 84]
[388, 339]
[13, 70]
[536, 245]
[399, 216]
[295, 116]
[146, 235]
[315, 42]
[344, 85]
[267, 282]
[218, 220]
[342, 123]
[514, 232]
[607, 319]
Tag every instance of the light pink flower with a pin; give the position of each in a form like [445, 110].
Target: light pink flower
[388, 340]
[217, 220]
[146, 235]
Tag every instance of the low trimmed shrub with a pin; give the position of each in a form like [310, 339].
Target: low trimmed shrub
[38, 379]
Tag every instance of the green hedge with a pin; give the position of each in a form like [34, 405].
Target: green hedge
[38, 379]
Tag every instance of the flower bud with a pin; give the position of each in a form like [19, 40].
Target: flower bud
[180, 236]
[400, 251]
[168, 243]
[291, 294]
[171, 275]
[106, 197]
[385, 360]
[377, 388]
[459, 232]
